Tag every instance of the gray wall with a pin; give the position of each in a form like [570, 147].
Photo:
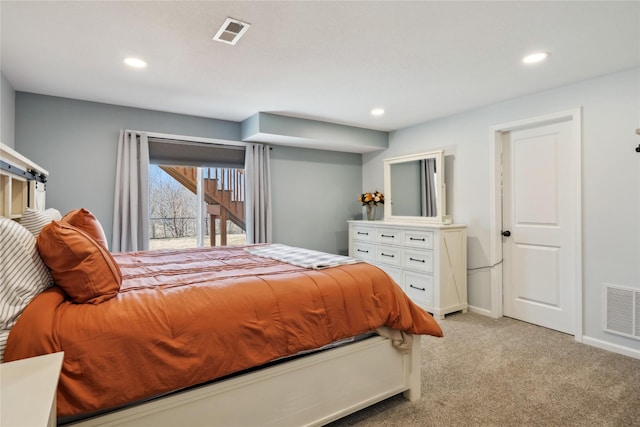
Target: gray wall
[305, 133]
[610, 183]
[7, 112]
[76, 141]
[314, 193]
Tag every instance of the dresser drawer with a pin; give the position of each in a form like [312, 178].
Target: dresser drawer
[417, 260]
[362, 250]
[365, 234]
[394, 272]
[419, 287]
[418, 239]
[389, 255]
[389, 236]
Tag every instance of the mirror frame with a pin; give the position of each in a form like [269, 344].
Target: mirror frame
[441, 203]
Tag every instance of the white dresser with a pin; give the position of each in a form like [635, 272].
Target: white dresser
[429, 262]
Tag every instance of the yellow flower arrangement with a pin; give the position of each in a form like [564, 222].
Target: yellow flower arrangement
[371, 199]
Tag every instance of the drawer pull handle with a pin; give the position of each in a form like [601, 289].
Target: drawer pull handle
[362, 250]
[415, 287]
[415, 259]
[390, 256]
[415, 238]
[364, 234]
[388, 235]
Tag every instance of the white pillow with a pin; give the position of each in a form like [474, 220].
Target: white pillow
[23, 274]
[3, 342]
[33, 219]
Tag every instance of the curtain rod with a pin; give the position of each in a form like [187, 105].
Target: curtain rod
[191, 138]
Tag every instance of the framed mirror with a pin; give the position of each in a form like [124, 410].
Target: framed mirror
[414, 188]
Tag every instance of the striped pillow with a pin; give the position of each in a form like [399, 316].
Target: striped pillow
[23, 274]
[33, 219]
[4, 335]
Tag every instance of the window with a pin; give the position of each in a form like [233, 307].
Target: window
[195, 191]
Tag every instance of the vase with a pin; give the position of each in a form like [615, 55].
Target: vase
[371, 212]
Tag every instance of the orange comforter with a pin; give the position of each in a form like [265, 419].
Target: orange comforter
[186, 317]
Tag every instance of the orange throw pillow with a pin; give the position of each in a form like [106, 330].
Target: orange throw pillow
[87, 222]
[81, 266]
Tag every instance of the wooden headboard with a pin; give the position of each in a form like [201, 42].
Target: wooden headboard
[22, 183]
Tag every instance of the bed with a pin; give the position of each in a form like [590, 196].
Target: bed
[314, 338]
[255, 335]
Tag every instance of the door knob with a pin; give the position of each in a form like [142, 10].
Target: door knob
[506, 233]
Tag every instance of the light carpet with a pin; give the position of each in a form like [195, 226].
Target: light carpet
[503, 372]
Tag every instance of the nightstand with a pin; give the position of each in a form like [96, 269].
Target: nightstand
[28, 391]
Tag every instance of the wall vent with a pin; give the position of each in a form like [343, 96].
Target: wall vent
[622, 310]
[231, 31]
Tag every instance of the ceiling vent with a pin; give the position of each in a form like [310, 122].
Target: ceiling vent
[231, 31]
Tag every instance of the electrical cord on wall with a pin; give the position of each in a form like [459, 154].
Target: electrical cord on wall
[486, 266]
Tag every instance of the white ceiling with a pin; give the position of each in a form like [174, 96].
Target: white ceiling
[326, 60]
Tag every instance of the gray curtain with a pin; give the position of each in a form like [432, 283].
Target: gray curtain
[131, 200]
[257, 170]
[427, 172]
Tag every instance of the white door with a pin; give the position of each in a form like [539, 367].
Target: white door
[539, 212]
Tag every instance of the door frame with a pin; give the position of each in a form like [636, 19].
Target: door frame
[495, 227]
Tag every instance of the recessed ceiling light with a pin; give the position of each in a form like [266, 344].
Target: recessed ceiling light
[377, 112]
[535, 57]
[135, 62]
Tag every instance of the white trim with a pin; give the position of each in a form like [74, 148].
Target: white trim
[192, 138]
[576, 119]
[615, 348]
[495, 218]
[495, 223]
[479, 310]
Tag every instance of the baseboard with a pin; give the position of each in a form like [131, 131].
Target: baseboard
[604, 345]
[615, 348]
[479, 310]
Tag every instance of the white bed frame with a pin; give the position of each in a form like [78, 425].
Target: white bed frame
[17, 191]
[309, 391]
